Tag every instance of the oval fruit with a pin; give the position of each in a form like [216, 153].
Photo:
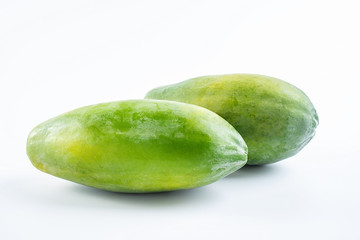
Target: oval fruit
[138, 146]
[275, 118]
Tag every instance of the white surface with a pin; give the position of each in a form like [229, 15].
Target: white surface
[59, 55]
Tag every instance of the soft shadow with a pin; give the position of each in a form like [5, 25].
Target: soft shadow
[68, 194]
[158, 199]
[254, 171]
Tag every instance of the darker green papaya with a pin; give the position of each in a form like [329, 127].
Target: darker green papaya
[138, 146]
[275, 118]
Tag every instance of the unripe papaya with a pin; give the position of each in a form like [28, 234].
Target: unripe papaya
[275, 118]
[138, 146]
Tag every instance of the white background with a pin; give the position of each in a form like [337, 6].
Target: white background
[59, 55]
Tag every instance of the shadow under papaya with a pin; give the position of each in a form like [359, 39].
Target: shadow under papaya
[155, 199]
[254, 171]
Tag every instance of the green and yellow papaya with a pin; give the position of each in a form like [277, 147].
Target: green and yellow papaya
[138, 146]
[275, 118]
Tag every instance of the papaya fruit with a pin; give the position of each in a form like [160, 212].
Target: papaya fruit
[138, 146]
[275, 118]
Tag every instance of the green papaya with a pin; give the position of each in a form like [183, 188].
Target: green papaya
[138, 146]
[275, 118]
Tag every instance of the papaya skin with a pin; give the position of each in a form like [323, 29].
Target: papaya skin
[275, 118]
[138, 146]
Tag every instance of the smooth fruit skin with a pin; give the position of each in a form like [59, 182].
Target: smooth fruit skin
[138, 146]
[275, 118]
